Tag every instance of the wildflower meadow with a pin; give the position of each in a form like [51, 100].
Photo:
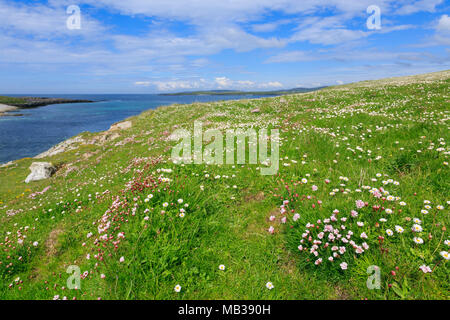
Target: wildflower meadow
[357, 209]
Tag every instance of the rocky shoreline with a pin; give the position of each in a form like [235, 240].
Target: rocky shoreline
[100, 138]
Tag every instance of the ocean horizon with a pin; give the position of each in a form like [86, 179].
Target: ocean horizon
[38, 129]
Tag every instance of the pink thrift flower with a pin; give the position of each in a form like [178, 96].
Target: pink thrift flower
[360, 204]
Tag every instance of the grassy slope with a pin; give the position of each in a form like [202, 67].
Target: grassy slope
[325, 135]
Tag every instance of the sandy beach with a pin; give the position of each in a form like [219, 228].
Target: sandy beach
[5, 108]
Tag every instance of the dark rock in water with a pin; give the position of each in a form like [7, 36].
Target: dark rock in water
[13, 115]
[33, 102]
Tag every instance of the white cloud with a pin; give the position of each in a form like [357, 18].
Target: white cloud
[272, 84]
[245, 83]
[224, 82]
[143, 83]
[327, 31]
[202, 84]
[176, 85]
[444, 25]
[43, 21]
[418, 6]
[291, 56]
[271, 26]
[442, 35]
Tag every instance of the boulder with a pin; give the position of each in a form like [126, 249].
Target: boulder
[40, 171]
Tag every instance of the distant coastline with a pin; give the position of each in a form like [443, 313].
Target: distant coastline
[8, 104]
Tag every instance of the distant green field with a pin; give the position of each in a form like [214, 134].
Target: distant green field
[359, 208]
[12, 100]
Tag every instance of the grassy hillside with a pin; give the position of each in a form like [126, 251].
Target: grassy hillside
[373, 156]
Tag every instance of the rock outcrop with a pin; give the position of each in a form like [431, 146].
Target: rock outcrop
[121, 126]
[64, 146]
[40, 171]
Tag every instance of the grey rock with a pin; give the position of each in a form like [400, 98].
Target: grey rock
[64, 146]
[40, 171]
[121, 126]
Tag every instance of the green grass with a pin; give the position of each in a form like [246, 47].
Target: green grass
[347, 134]
[11, 100]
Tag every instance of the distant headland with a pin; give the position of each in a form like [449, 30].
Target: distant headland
[14, 103]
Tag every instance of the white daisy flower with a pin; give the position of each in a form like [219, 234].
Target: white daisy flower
[269, 285]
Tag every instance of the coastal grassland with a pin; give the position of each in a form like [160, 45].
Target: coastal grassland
[113, 207]
[11, 100]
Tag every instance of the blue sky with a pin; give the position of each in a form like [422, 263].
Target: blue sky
[148, 46]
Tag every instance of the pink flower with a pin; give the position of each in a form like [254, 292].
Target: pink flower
[296, 217]
[360, 204]
[102, 276]
[271, 230]
[344, 266]
[425, 269]
[314, 188]
[272, 218]
[122, 259]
